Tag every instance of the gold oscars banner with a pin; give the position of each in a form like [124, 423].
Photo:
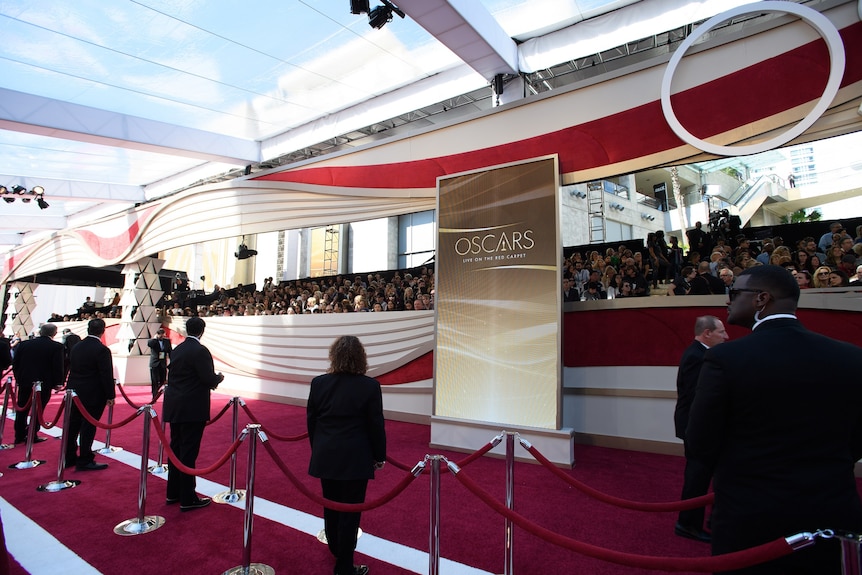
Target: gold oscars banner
[498, 296]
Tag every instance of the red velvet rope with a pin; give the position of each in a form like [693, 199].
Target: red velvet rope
[133, 404]
[96, 422]
[220, 413]
[39, 410]
[189, 470]
[692, 503]
[335, 505]
[716, 563]
[25, 407]
[269, 432]
[463, 463]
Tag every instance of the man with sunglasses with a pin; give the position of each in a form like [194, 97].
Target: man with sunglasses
[783, 441]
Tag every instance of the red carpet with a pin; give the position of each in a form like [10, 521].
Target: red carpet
[211, 540]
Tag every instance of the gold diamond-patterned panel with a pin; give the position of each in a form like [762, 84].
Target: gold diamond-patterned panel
[24, 303]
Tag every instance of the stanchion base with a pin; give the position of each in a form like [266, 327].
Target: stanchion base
[158, 469]
[109, 450]
[58, 485]
[234, 496]
[321, 535]
[253, 569]
[7, 445]
[27, 464]
[135, 527]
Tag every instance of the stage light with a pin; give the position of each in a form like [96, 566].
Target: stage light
[243, 253]
[8, 200]
[38, 190]
[20, 190]
[42, 203]
[3, 190]
[379, 17]
[359, 7]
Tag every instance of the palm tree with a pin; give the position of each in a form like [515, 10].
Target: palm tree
[800, 216]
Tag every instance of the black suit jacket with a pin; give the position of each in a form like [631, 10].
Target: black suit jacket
[38, 359]
[686, 384]
[191, 377]
[91, 371]
[345, 426]
[782, 431]
[5, 353]
[156, 348]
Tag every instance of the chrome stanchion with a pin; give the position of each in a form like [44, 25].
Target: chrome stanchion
[6, 397]
[851, 553]
[31, 430]
[434, 529]
[142, 523]
[508, 563]
[60, 484]
[232, 495]
[247, 567]
[108, 449]
[160, 467]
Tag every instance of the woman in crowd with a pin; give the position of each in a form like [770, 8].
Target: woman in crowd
[803, 261]
[838, 278]
[833, 257]
[821, 277]
[608, 278]
[680, 285]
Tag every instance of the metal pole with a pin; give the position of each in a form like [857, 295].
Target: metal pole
[6, 396]
[851, 555]
[508, 563]
[232, 495]
[60, 484]
[31, 430]
[434, 528]
[142, 523]
[247, 566]
[160, 467]
[108, 449]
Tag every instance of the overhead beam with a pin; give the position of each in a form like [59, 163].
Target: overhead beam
[469, 30]
[31, 114]
[71, 190]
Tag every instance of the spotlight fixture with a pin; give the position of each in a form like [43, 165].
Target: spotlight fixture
[42, 203]
[8, 200]
[20, 190]
[243, 253]
[381, 15]
[359, 7]
[38, 190]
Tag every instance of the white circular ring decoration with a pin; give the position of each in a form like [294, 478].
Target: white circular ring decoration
[836, 72]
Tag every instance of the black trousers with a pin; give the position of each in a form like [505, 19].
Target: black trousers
[24, 393]
[341, 527]
[696, 481]
[186, 445]
[83, 431]
[158, 377]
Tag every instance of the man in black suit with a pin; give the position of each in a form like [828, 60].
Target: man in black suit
[782, 439]
[70, 340]
[5, 353]
[191, 378]
[37, 359]
[348, 442]
[708, 332]
[160, 351]
[91, 376]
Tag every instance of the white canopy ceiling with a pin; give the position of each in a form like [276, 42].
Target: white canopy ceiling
[108, 104]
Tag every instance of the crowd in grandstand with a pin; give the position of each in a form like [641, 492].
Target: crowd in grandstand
[709, 265]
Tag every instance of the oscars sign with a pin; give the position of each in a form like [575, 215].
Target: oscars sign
[498, 296]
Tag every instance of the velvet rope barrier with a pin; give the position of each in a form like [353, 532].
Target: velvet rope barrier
[134, 405]
[692, 503]
[269, 432]
[40, 415]
[191, 470]
[220, 413]
[335, 505]
[463, 463]
[86, 415]
[717, 563]
[23, 408]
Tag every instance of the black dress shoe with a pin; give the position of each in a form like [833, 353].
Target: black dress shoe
[358, 570]
[200, 503]
[92, 466]
[692, 533]
[171, 500]
[40, 439]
